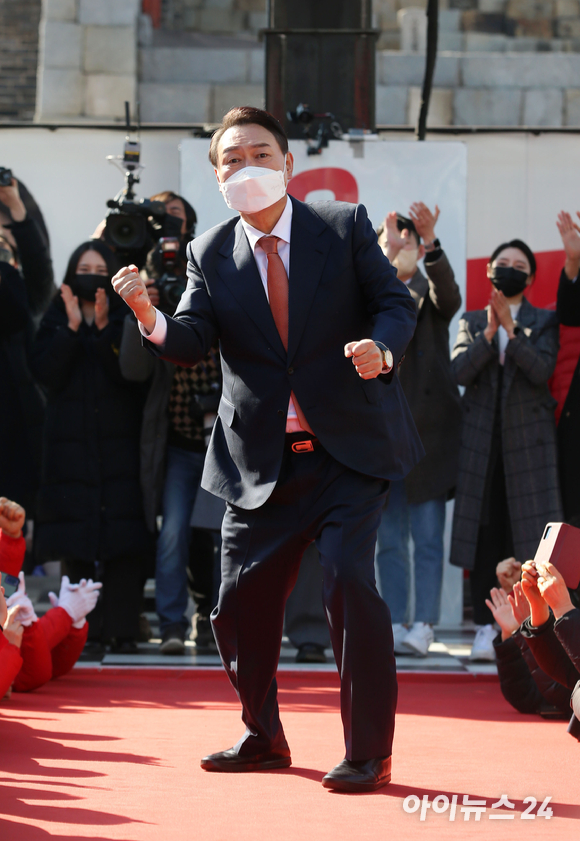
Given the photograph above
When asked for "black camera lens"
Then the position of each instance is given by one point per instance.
(5, 177)
(124, 230)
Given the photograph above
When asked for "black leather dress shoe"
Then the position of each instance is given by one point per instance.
(367, 775)
(230, 761)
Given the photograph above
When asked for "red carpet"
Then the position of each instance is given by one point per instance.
(115, 755)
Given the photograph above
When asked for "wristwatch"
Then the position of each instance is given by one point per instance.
(432, 246)
(387, 356)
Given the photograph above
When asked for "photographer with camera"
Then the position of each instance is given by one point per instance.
(177, 422)
(90, 512)
(25, 282)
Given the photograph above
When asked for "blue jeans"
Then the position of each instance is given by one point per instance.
(425, 522)
(182, 479)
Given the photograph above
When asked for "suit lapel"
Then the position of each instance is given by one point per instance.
(308, 252)
(238, 270)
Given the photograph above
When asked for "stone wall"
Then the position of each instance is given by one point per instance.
(528, 89)
(494, 26)
(88, 58)
(19, 20)
(229, 17)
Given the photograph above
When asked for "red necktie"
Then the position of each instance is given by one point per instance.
(278, 297)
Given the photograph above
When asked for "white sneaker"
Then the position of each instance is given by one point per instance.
(483, 644)
(419, 638)
(400, 633)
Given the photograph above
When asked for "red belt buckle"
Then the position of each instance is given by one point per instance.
(302, 447)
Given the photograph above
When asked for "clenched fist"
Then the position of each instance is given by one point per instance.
(366, 358)
(129, 284)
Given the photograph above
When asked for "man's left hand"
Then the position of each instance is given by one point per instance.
(366, 358)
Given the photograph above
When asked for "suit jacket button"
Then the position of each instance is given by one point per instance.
(280, 412)
(290, 370)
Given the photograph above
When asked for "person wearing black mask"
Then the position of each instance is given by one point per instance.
(90, 513)
(507, 486)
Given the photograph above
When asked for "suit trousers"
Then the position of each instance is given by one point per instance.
(316, 499)
(305, 617)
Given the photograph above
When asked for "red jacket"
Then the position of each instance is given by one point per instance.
(50, 648)
(12, 551)
(559, 383)
(10, 664)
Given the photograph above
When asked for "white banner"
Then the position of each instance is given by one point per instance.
(382, 175)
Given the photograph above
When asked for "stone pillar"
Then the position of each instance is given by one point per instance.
(88, 59)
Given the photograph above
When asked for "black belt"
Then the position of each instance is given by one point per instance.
(300, 442)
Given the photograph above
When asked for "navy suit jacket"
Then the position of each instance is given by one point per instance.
(341, 289)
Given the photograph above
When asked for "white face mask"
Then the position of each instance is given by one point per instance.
(406, 261)
(254, 188)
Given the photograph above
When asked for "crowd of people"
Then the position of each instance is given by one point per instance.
(104, 445)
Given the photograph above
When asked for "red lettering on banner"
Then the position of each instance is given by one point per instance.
(339, 181)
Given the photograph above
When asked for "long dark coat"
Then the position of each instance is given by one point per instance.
(528, 429)
(428, 383)
(89, 506)
(22, 298)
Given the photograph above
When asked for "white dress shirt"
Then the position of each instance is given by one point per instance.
(502, 336)
(281, 230)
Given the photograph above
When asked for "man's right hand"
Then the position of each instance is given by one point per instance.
(129, 284)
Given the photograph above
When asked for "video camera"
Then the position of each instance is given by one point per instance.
(171, 284)
(133, 225)
(5, 177)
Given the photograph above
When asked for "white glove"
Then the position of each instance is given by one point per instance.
(26, 615)
(77, 599)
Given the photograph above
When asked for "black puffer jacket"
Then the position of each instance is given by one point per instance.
(523, 683)
(89, 505)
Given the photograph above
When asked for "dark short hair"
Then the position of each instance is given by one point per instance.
(402, 223)
(516, 243)
(244, 115)
(91, 245)
(190, 215)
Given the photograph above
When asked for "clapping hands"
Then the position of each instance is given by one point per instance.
(508, 611)
(26, 614)
(570, 233)
(77, 599)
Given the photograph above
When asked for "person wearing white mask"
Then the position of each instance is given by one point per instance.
(312, 425)
(416, 505)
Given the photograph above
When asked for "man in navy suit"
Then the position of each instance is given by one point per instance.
(312, 323)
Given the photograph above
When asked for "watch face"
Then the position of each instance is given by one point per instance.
(388, 356)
